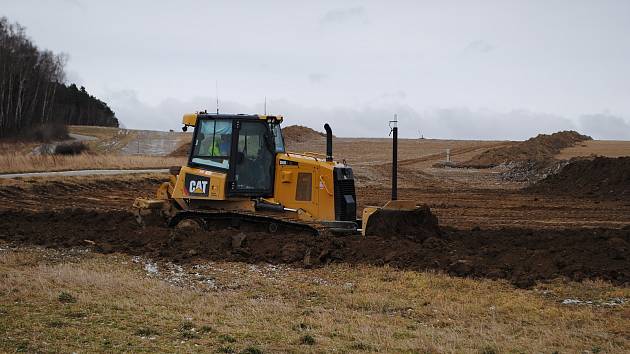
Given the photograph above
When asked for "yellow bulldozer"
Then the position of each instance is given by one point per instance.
(240, 172)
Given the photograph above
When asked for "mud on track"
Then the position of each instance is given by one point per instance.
(522, 256)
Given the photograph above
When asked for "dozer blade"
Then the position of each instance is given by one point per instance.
(150, 211)
(399, 218)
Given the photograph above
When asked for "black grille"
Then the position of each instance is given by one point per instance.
(345, 197)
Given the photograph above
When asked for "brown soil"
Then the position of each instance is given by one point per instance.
(522, 256)
(599, 178)
(419, 223)
(540, 148)
(298, 133)
(182, 150)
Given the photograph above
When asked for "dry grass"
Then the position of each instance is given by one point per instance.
(234, 307)
(15, 162)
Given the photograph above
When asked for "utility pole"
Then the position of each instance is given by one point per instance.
(393, 124)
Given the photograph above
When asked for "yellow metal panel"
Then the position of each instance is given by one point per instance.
(286, 176)
(322, 204)
(326, 191)
(190, 119)
(213, 190)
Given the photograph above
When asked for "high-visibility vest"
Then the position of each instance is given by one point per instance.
(215, 149)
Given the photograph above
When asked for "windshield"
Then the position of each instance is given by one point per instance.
(277, 136)
(212, 143)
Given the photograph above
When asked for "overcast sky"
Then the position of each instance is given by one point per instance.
(460, 69)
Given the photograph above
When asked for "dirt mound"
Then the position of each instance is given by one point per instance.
(599, 178)
(419, 223)
(522, 256)
(540, 148)
(182, 150)
(299, 134)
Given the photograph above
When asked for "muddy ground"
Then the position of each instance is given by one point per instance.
(499, 234)
(522, 256)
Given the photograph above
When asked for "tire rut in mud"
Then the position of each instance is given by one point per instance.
(522, 256)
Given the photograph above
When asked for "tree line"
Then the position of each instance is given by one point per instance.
(32, 89)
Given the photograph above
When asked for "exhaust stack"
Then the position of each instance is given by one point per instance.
(329, 152)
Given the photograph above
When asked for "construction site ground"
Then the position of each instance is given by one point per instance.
(510, 270)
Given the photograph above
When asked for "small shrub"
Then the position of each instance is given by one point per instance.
(307, 339)
(206, 329)
(251, 350)
(74, 148)
(189, 335)
(66, 298)
(226, 338)
(22, 347)
(187, 330)
(360, 346)
(186, 326)
(226, 349)
(145, 332)
(56, 324)
(488, 350)
(302, 327)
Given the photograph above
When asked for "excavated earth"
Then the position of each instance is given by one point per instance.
(540, 149)
(522, 256)
(600, 178)
(523, 237)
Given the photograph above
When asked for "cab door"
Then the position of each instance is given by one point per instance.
(254, 156)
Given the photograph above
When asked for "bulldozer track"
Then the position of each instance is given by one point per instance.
(272, 220)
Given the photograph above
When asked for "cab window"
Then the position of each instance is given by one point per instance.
(277, 136)
(212, 143)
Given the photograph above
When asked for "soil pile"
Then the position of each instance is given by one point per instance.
(599, 178)
(300, 134)
(419, 223)
(523, 256)
(182, 150)
(541, 148)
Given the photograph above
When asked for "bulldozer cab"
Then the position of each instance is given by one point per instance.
(241, 146)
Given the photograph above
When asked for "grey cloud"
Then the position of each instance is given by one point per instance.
(480, 46)
(317, 77)
(488, 124)
(342, 15)
(372, 120)
(605, 126)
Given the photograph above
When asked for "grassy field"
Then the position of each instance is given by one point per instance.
(16, 162)
(78, 301)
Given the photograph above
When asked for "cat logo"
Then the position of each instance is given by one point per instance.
(196, 185)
